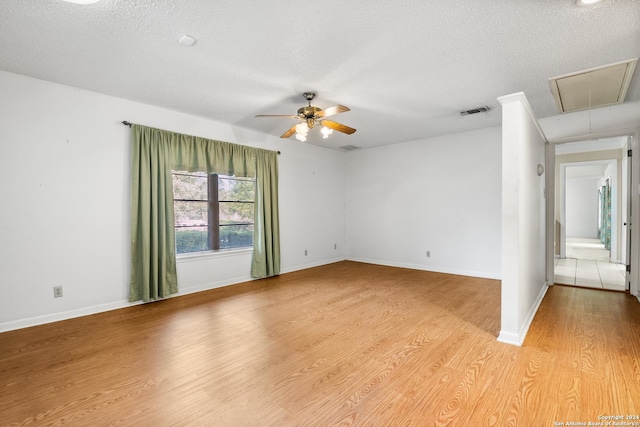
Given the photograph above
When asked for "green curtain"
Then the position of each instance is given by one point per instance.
(266, 224)
(155, 153)
(153, 257)
(193, 153)
(605, 219)
(600, 212)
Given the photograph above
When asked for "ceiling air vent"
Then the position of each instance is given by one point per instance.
(349, 147)
(475, 110)
(592, 88)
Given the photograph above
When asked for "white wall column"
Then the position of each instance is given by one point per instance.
(523, 218)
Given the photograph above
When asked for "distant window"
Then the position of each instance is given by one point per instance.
(212, 211)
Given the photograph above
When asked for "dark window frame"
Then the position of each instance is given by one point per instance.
(213, 207)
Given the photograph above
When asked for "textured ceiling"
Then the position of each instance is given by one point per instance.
(405, 68)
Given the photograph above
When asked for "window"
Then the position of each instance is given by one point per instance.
(212, 211)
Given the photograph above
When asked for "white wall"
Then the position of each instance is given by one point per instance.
(440, 195)
(523, 218)
(614, 120)
(65, 210)
(582, 207)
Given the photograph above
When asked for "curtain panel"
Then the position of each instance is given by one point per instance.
(605, 215)
(266, 255)
(153, 257)
(154, 154)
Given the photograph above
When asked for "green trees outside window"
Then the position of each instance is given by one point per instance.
(212, 211)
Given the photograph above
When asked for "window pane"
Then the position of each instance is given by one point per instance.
(235, 236)
(191, 213)
(192, 240)
(231, 212)
(236, 189)
(190, 185)
(233, 216)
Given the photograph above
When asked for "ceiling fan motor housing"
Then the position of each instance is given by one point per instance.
(309, 114)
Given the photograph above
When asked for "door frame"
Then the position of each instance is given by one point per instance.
(613, 252)
(627, 230)
(633, 204)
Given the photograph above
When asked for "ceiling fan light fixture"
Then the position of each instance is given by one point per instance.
(326, 132)
(311, 117)
(302, 129)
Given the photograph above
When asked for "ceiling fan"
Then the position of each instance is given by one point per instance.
(313, 116)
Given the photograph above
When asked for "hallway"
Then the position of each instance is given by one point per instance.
(587, 265)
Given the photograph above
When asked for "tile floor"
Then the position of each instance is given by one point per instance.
(590, 273)
(587, 265)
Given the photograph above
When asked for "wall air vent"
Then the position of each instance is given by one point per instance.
(349, 147)
(484, 109)
(592, 88)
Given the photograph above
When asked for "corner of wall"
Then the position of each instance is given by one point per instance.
(518, 339)
(510, 338)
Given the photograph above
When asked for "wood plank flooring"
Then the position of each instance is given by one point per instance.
(347, 344)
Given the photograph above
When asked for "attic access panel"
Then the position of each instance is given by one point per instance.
(596, 87)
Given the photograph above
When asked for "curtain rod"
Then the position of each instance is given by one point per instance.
(126, 123)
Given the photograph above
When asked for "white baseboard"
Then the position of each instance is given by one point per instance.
(100, 308)
(510, 338)
(534, 309)
(213, 285)
(247, 278)
(64, 315)
(312, 264)
(518, 339)
(435, 269)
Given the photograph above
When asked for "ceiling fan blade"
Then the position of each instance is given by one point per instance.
(290, 132)
(332, 110)
(280, 116)
(338, 126)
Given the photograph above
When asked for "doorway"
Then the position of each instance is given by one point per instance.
(591, 215)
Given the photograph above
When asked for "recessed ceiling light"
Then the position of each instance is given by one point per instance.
(82, 1)
(187, 40)
(587, 2)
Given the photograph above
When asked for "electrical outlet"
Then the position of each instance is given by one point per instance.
(428, 254)
(57, 291)
(335, 246)
(305, 252)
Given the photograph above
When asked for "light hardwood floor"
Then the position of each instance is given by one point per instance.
(346, 344)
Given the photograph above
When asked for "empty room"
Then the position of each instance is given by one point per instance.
(229, 213)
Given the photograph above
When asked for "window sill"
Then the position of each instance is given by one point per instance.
(197, 256)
